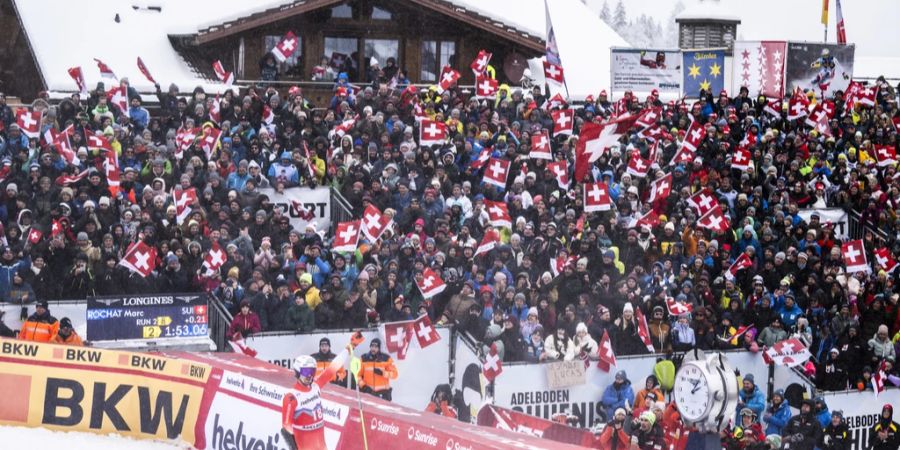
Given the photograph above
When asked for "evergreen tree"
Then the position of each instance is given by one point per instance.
(620, 21)
(671, 35)
(604, 12)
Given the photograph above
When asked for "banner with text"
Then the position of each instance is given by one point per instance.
(861, 411)
(642, 71)
(303, 205)
(837, 216)
(703, 69)
(150, 317)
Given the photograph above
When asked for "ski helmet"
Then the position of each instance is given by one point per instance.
(304, 366)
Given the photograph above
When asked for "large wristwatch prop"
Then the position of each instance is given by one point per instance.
(706, 391)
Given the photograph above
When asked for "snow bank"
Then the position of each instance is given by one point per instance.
(19, 437)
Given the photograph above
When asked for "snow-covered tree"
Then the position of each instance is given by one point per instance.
(619, 20)
(604, 12)
(671, 34)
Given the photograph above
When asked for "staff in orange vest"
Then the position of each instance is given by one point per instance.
(67, 334)
(40, 326)
(377, 371)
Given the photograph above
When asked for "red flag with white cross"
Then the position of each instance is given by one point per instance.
(496, 172)
(374, 223)
(703, 202)
(485, 86)
(449, 77)
(29, 122)
(286, 47)
(426, 333)
(596, 197)
(215, 258)
(540, 147)
(34, 236)
(677, 308)
(493, 366)
(346, 237)
(694, 136)
(637, 166)
(643, 330)
(482, 158)
(660, 188)
(488, 242)
(742, 262)
(878, 378)
(140, 258)
(223, 75)
(432, 132)
(480, 63)
(798, 106)
(184, 202)
(561, 170)
(714, 220)
(553, 73)
(99, 143)
(431, 284)
(563, 121)
(397, 336)
(741, 159)
(498, 213)
(789, 352)
(855, 256)
(606, 357)
(885, 259)
(886, 155)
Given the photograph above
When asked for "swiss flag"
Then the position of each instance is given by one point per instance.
(563, 121)
(268, 116)
(822, 126)
(648, 117)
(449, 77)
(492, 367)
(637, 166)
(98, 142)
(432, 132)
(397, 336)
(215, 258)
(305, 212)
(643, 330)
(595, 139)
(223, 75)
(540, 147)
(285, 48)
(798, 106)
(64, 147)
(29, 122)
(878, 379)
(714, 220)
(34, 236)
(886, 155)
(184, 202)
(346, 237)
(858, 93)
(683, 155)
(855, 256)
(821, 111)
(374, 223)
(789, 352)
(555, 102)
(239, 346)
(694, 136)
(703, 201)
(488, 242)
(596, 197)
(485, 86)
(651, 219)
(118, 96)
(209, 140)
(496, 172)
(431, 284)
(606, 357)
(677, 308)
(480, 64)
(660, 188)
(426, 334)
(143, 68)
(742, 262)
(553, 72)
(885, 259)
(740, 159)
(215, 111)
(339, 130)
(184, 139)
(773, 108)
(111, 168)
(140, 258)
(78, 75)
(105, 71)
(498, 213)
(483, 156)
(558, 264)
(65, 180)
(561, 170)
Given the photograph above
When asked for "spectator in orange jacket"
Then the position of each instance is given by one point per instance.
(40, 326)
(641, 401)
(67, 334)
(614, 436)
(440, 402)
(377, 371)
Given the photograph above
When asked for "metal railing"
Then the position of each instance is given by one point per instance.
(341, 210)
(856, 229)
(219, 322)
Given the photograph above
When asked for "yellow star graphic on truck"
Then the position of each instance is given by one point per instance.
(694, 71)
(715, 70)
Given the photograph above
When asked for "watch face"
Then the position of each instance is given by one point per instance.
(692, 396)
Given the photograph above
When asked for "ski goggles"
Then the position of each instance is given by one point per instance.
(306, 372)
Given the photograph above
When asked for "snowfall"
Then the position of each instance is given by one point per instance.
(34, 437)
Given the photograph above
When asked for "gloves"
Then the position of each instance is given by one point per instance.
(827, 440)
(289, 439)
(378, 371)
(357, 339)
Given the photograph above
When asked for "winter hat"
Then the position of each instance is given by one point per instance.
(306, 278)
(65, 322)
(581, 327)
(12, 187)
(749, 377)
(628, 307)
(649, 417)
(533, 311)
(621, 374)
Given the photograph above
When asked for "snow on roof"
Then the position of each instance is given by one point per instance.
(873, 67)
(707, 10)
(70, 34)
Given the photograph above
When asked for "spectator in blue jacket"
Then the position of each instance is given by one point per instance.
(238, 179)
(750, 397)
(822, 412)
(10, 264)
(789, 311)
(777, 414)
(138, 114)
(315, 265)
(619, 394)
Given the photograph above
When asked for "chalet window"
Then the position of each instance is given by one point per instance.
(381, 14)
(382, 49)
(342, 12)
(343, 53)
(291, 66)
(434, 57)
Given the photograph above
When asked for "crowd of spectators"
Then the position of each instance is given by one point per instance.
(364, 145)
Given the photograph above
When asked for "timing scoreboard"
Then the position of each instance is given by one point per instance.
(151, 317)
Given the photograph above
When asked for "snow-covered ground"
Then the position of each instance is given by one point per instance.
(18, 437)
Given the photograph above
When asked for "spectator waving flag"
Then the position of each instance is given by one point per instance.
(143, 69)
(286, 47)
(485, 86)
(742, 262)
(490, 240)
(480, 63)
(223, 75)
(140, 258)
(714, 220)
(561, 170)
(498, 213)
(425, 332)
(29, 122)
(643, 330)
(773, 108)
(596, 197)
(741, 159)
(497, 172)
(789, 352)
(65, 179)
(105, 71)
(798, 106)
(215, 258)
(346, 237)
(885, 259)
(563, 121)
(118, 96)
(660, 188)
(34, 236)
(855, 256)
(78, 75)
(184, 202)
(703, 201)
(694, 136)
(637, 166)
(540, 147)
(483, 156)
(374, 223)
(606, 357)
(432, 132)
(677, 308)
(397, 336)
(99, 143)
(449, 77)
(492, 367)
(595, 139)
(210, 140)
